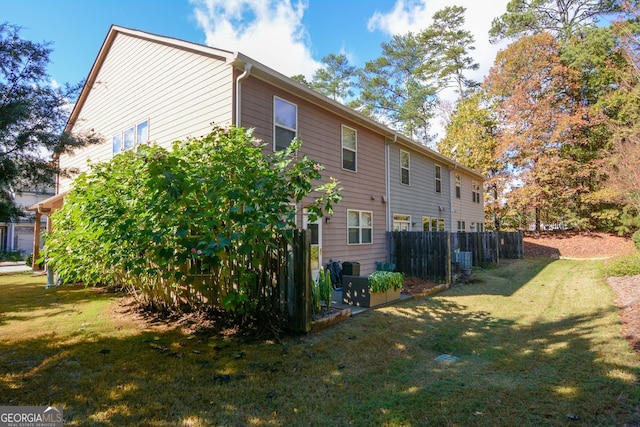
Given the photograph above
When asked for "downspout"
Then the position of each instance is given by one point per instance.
(387, 166)
(244, 75)
(452, 177)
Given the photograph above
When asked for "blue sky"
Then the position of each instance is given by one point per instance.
(290, 36)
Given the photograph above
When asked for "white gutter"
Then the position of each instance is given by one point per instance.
(247, 71)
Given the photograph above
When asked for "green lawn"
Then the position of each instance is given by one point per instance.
(535, 342)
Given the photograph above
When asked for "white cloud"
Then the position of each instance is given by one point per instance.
(269, 31)
(415, 15)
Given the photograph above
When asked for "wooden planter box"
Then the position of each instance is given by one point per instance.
(355, 291)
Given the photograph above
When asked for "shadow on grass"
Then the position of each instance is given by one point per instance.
(378, 368)
(504, 280)
(507, 373)
(26, 293)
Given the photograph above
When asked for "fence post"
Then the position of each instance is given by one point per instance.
(302, 281)
(448, 271)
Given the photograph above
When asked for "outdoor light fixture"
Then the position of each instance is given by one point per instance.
(327, 220)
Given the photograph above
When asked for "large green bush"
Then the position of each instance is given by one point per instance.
(151, 219)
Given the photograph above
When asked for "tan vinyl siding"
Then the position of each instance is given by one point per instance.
(320, 132)
(420, 198)
(180, 92)
(464, 209)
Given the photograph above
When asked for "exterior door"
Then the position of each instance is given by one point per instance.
(316, 242)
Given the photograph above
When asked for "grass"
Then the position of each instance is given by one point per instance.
(535, 341)
(627, 265)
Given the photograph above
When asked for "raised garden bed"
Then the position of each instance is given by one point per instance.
(356, 292)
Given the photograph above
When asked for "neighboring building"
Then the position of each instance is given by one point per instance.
(144, 87)
(19, 235)
(430, 192)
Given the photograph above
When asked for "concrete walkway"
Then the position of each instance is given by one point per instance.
(13, 267)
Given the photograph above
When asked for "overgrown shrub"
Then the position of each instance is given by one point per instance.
(636, 239)
(217, 206)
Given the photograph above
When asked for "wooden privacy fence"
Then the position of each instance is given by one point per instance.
(429, 255)
(278, 282)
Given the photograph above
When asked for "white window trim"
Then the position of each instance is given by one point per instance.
(275, 125)
(458, 186)
(436, 168)
(407, 221)
(360, 227)
(135, 136)
(342, 128)
(426, 219)
(475, 191)
(408, 168)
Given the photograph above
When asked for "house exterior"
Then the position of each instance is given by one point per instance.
(430, 192)
(18, 236)
(182, 88)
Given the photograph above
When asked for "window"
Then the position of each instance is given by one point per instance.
(142, 132)
(438, 179)
(458, 185)
(130, 137)
(432, 224)
(401, 222)
(359, 227)
(475, 192)
(117, 143)
(481, 227)
(461, 226)
(285, 120)
(404, 167)
(349, 148)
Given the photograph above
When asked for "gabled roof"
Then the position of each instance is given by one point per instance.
(260, 71)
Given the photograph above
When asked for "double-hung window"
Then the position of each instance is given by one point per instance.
(285, 123)
(349, 148)
(475, 192)
(458, 186)
(405, 161)
(438, 171)
(359, 227)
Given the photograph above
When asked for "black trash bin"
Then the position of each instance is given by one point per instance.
(351, 268)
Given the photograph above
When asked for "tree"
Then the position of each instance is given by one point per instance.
(336, 78)
(562, 18)
(395, 90)
(32, 117)
(215, 203)
(471, 139)
(402, 87)
(450, 45)
(538, 106)
(622, 104)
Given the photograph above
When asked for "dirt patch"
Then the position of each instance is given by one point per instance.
(627, 297)
(576, 245)
(416, 286)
